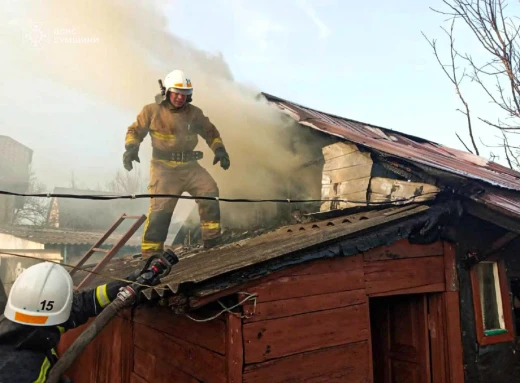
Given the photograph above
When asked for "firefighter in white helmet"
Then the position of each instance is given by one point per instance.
(41, 307)
(174, 125)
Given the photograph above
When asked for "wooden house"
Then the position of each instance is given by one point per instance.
(408, 273)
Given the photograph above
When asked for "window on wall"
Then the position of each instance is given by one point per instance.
(493, 311)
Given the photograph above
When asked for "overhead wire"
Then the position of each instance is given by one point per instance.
(105, 197)
(108, 276)
(249, 297)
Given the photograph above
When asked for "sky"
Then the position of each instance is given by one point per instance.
(367, 61)
(363, 60)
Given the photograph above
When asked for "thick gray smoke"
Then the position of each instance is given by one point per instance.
(113, 52)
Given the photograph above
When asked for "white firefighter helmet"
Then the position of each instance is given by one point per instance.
(41, 296)
(177, 82)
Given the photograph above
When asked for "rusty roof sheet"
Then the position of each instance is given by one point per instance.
(196, 267)
(403, 145)
(64, 237)
(503, 201)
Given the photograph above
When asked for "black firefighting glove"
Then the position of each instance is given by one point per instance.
(130, 155)
(222, 156)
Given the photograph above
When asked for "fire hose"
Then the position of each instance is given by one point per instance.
(155, 268)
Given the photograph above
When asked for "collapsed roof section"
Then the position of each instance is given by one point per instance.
(495, 180)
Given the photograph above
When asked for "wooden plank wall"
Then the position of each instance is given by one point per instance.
(312, 323)
(298, 331)
(108, 359)
(387, 189)
(347, 175)
(173, 348)
(404, 268)
(158, 346)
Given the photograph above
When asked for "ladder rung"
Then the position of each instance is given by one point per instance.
(101, 250)
(109, 253)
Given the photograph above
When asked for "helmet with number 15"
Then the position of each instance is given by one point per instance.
(41, 296)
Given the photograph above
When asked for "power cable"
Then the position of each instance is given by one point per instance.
(101, 197)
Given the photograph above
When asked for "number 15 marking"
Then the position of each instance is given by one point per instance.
(47, 305)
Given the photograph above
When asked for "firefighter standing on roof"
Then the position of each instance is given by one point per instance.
(174, 125)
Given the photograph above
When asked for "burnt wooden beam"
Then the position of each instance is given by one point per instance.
(501, 243)
(498, 245)
(486, 214)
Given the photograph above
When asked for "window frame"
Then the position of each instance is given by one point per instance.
(507, 309)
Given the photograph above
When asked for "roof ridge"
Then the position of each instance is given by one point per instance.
(270, 96)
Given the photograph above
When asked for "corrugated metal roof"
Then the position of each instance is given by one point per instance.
(64, 237)
(403, 145)
(197, 267)
(504, 201)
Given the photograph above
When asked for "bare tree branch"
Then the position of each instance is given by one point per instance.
(34, 210)
(498, 34)
(463, 143)
(501, 146)
(127, 183)
(509, 149)
(501, 127)
(454, 79)
(507, 152)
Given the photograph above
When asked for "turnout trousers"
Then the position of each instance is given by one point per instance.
(188, 177)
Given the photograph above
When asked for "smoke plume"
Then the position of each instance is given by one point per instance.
(114, 52)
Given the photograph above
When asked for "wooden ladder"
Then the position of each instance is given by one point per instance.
(109, 252)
